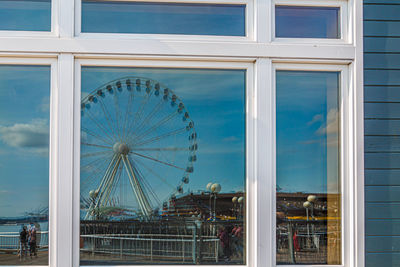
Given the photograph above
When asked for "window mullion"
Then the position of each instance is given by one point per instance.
(265, 158)
(66, 9)
(62, 244)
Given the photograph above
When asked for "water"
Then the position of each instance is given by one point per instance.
(16, 228)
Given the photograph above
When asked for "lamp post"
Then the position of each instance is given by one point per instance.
(312, 199)
(240, 201)
(215, 189)
(307, 205)
(208, 189)
(234, 201)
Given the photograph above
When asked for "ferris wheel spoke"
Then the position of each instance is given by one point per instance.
(100, 138)
(98, 124)
(133, 127)
(117, 114)
(96, 167)
(95, 145)
(156, 126)
(94, 154)
(107, 116)
(127, 114)
(145, 182)
(151, 114)
(157, 160)
(157, 138)
(162, 149)
(155, 174)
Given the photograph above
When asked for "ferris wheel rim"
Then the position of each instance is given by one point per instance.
(171, 94)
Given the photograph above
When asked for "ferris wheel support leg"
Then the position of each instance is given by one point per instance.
(137, 189)
(108, 187)
(105, 178)
(104, 181)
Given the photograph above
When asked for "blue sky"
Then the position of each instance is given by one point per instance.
(24, 135)
(215, 100)
(28, 15)
(307, 131)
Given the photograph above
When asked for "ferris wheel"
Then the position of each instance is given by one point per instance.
(138, 146)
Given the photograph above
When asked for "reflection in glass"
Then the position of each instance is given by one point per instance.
(307, 22)
(25, 15)
(162, 166)
(24, 164)
(162, 18)
(307, 176)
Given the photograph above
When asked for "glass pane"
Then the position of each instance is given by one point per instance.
(163, 18)
(25, 15)
(162, 166)
(308, 200)
(24, 164)
(307, 22)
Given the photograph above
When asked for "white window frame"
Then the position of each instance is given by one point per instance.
(249, 24)
(346, 153)
(251, 188)
(50, 61)
(64, 48)
(343, 21)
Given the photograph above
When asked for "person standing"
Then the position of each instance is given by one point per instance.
(225, 244)
(32, 241)
(23, 246)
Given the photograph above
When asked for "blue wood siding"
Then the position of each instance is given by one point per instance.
(382, 131)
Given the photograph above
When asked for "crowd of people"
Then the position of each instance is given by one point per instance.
(27, 240)
(231, 240)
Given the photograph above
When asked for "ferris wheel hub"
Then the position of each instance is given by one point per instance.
(121, 148)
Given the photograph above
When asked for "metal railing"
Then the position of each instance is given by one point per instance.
(10, 240)
(185, 248)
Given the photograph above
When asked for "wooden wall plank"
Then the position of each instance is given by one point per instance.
(382, 143)
(382, 193)
(381, 1)
(382, 93)
(382, 110)
(381, 127)
(382, 244)
(382, 227)
(383, 61)
(382, 77)
(381, 12)
(382, 177)
(382, 28)
(382, 211)
(381, 45)
(382, 259)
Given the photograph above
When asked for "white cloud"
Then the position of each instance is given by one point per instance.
(332, 123)
(316, 118)
(33, 136)
(44, 105)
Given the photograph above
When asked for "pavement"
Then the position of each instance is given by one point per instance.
(13, 259)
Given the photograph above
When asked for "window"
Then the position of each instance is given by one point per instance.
(25, 15)
(163, 18)
(307, 22)
(308, 177)
(167, 124)
(310, 21)
(162, 157)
